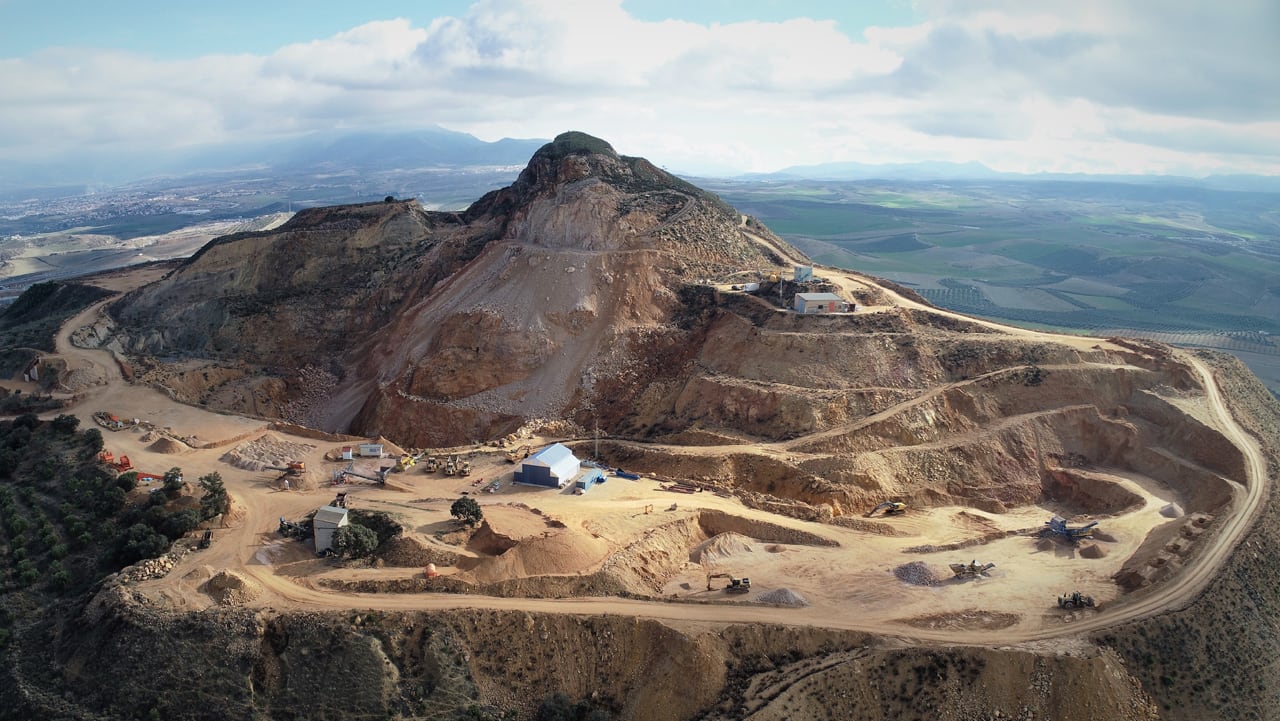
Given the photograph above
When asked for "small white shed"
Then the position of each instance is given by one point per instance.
(371, 450)
(325, 523)
(820, 303)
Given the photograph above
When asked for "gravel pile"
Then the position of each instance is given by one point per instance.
(783, 597)
(265, 450)
(916, 573)
(229, 588)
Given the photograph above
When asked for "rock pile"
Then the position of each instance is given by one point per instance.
(916, 573)
(264, 451)
(229, 588)
(784, 597)
(151, 567)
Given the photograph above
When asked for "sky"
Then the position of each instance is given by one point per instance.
(1187, 87)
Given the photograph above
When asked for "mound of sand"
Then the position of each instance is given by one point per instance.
(168, 445)
(720, 547)
(1172, 510)
(916, 573)
(553, 554)
(783, 597)
(229, 588)
(1044, 544)
(1093, 550)
(411, 552)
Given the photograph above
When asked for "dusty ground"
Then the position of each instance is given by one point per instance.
(845, 574)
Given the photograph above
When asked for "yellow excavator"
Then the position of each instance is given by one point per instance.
(890, 508)
(518, 454)
(736, 585)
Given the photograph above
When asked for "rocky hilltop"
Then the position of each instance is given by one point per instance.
(438, 327)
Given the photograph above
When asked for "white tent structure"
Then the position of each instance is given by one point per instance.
(554, 467)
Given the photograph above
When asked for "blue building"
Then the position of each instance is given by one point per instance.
(589, 479)
(553, 467)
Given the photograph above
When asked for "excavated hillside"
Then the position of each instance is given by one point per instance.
(436, 327)
(579, 294)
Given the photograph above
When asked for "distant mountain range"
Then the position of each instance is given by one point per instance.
(365, 152)
(358, 152)
(925, 171)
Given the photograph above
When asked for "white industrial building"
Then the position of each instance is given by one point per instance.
(327, 521)
(554, 467)
(820, 303)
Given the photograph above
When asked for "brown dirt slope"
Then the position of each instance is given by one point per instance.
(359, 665)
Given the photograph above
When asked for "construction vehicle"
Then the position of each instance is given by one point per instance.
(464, 468)
(451, 466)
(519, 454)
(206, 540)
(340, 501)
(971, 569)
(890, 508)
(112, 422)
(122, 465)
(343, 475)
(292, 468)
(1076, 600)
(289, 529)
(431, 465)
(1058, 526)
(736, 585)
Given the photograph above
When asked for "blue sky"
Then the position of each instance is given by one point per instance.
(1100, 86)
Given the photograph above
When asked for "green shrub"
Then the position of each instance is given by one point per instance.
(354, 541)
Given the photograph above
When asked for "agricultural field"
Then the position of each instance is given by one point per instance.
(1187, 265)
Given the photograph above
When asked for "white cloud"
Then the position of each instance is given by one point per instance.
(1086, 85)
